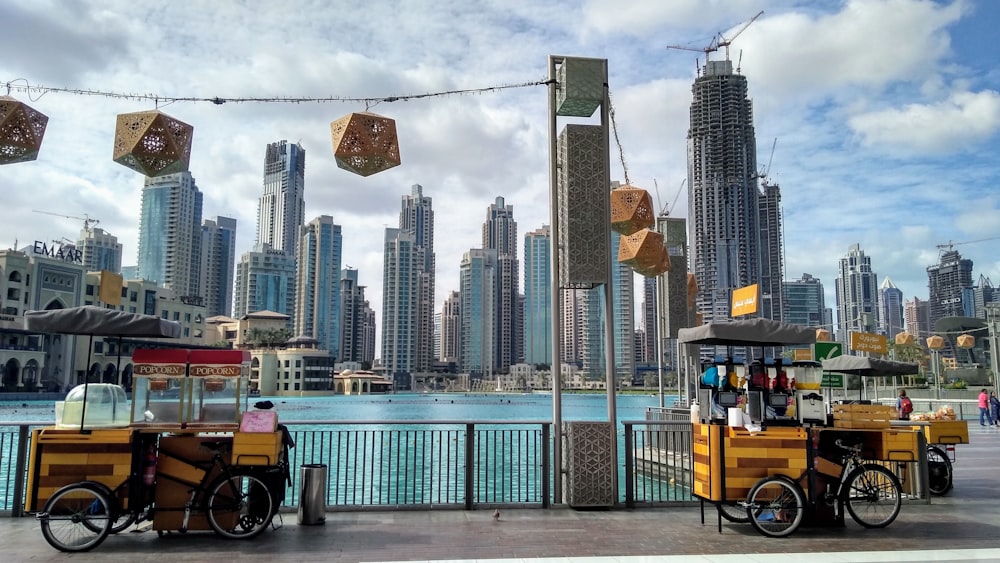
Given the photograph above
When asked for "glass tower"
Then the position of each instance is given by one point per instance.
(317, 292)
(170, 234)
(538, 297)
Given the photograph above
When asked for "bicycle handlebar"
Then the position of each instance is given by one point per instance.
(856, 449)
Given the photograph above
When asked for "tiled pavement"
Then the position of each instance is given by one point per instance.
(963, 525)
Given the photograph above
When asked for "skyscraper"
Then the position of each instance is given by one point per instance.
(218, 262)
(317, 293)
(451, 328)
(917, 317)
(399, 297)
(772, 253)
(648, 321)
(804, 301)
(538, 297)
(623, 314)
(101, 250)
(170, 234)
(281, 208)
(417, 218)
(723, 210)
(857, 294)
(265, 281)
(477, 286)
(500, 235)
(945, 281)
(353, 317)
(891, 302)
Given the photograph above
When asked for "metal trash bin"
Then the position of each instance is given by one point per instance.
(312, 494)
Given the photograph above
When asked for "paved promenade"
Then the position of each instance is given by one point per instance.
(964, 525)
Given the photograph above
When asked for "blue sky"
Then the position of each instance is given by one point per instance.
(886, 114)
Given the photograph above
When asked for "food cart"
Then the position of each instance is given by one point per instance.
(942, 431)
(185, 455)
(768, 464)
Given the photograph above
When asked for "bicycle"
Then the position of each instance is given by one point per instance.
(237, 501)
(870, 492)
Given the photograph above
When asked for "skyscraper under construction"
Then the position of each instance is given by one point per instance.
(723, 198)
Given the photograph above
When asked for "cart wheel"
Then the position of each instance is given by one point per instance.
(775, 506)
(734, 513)
(76, 518)
(122, 519)
(873, 496)
(239, 506)
(939, 471)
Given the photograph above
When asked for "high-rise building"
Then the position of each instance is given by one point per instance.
(538, 296)
(572, 303)
(671, 292)
(857, 294)
(451, 328)
(623, 314)
(353, 312)
(417, 218)
(917, 314)
(101, 250)
(772, 255)
(979, 296)
(500, 235)
(891, 302)
(945, 282)
(648, 322)
(723, 210)
(477, 286)
(399, 315)
(804, 301)
(170, 234)
(281, 208)
(317, 293)
(218, 263)
(265, 281)
(368, 341)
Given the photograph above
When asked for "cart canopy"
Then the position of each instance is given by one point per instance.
(96, 321)
(869, 367)
(752, 332)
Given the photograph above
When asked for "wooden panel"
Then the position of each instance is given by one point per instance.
(252, 448)
(947, 432)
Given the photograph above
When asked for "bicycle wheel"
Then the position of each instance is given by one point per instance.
(776, 506)
(939, 471)
(873, 496)
(734, 513)
(239, 506)
(121, 519)
(76, 518)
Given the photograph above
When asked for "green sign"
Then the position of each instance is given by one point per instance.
(833, 380)
(827, 350)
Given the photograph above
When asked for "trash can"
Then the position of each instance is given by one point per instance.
(312, 494)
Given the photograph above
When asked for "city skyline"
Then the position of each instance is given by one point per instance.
(885, 115)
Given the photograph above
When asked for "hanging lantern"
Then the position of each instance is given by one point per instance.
(631, 210)
(935, 342)
(822, 335)
(645, 253)
(153, 143)
(365, 143)
(904, 339)
(21, 131)
(965, 341)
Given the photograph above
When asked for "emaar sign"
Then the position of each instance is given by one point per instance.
(66, 252)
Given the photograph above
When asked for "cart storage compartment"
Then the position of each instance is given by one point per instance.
(729, 461)
(946, 431)
(256, 448)
(61, 457)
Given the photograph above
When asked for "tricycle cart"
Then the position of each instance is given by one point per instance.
(185, 456)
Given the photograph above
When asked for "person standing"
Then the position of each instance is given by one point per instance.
(995, 408)
(984, 409)
(904, 406)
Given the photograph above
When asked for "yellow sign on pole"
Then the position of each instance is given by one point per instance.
(868, 342)
(110, 289)
(744, 300)
(802, 354)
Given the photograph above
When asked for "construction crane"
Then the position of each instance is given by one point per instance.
(718, 40)
(88, 221)
(948, 245)
(765, 171)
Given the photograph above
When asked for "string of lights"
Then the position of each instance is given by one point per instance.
(37, 91)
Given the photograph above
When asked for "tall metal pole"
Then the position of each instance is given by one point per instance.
(556, 316)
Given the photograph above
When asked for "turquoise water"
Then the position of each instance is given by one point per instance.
(416, 407)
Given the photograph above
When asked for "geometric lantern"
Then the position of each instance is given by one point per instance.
(935, 342)
(966, 341)
(21, 131)
(365, 143)
(631, 210)
(153, 143)
(580, 86)
(645, 253)
(822, 335)
(904, 338)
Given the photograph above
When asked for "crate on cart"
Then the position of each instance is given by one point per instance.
(863, 417)
(946, 432)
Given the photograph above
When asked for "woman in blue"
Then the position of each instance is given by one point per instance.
(995, 408)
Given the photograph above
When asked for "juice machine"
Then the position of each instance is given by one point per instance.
(810, 405)
(720, 387)
(770, 389)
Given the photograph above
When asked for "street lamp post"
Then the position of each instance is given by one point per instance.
(936, 343)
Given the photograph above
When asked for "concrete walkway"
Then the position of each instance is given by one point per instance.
(964, 525)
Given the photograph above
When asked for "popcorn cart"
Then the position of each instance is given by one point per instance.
(767, 464)
(187, 456)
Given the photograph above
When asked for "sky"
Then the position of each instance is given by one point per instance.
(883, 115)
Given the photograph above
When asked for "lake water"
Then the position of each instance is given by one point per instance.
(425, 406)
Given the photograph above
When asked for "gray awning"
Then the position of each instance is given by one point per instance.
(857, 365)
(750, 332)
(96, 321)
